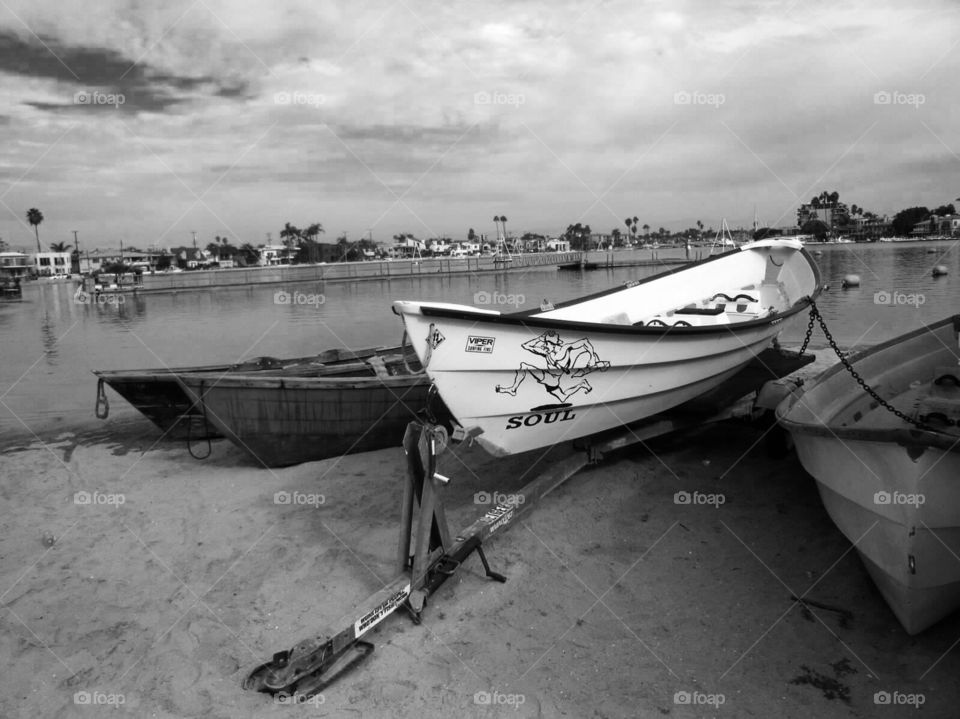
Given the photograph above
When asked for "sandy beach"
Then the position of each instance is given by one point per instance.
(178, 576)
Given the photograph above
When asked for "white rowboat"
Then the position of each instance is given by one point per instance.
(532, 379)
(891, 488)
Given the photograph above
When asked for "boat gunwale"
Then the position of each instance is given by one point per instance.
(142, 375)
(528, 317)
(911, 436)
(252, 381)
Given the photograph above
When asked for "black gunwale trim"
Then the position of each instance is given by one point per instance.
(526, 317)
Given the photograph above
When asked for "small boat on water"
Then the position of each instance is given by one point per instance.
(161, 399)
(891, 487)
(292, 415)
(531, 379)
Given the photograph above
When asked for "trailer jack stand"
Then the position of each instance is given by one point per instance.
(427, 556)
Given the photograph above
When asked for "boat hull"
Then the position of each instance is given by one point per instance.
(527, 408)
(159, 398)
(530, 380)
(891, 489)
(158, 395)
(909, 548)
(284, 421)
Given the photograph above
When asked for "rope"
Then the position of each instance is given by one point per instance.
(190, 421)
(816, 316)
(101, 401)
(403, 354)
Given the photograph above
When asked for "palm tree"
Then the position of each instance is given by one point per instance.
(35, 217)
(699, 229)
(290, 234)
(59, 247)
(646, 231)
(310, 234)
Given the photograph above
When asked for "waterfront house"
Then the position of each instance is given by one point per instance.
(47, 264)
(938, 226)
(14, 264)
(271, 255)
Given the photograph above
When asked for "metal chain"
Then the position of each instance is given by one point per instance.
(815, 315)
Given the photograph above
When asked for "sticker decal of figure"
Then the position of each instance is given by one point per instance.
(567, 365)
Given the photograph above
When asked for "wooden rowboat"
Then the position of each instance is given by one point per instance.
(281, 418)
(527, 379)
(892, 488)
(160, 398)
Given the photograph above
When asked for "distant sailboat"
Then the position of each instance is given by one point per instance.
(724, 239)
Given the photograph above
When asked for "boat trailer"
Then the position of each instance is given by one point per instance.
(427, 555)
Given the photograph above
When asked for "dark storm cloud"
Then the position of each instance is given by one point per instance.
(92, 69)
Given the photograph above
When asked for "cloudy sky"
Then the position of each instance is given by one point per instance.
(129, 121)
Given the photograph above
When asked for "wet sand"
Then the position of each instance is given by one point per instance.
(617, 597)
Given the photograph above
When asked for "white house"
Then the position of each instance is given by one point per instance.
(51, 263)
(275, 255)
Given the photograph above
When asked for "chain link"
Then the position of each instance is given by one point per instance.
(815, 315)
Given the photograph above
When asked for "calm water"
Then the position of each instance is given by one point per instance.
(49, 343)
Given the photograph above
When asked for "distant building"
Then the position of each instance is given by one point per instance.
(51, 263)
(189, 258)
(271, 255)
(14, 264)
(939, 226)
(95, 261)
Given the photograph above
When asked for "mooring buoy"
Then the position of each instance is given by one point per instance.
(940, 270)
(851, 281)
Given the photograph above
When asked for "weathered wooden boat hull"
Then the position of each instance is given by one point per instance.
(285, 421)
(892, 489)
(532, 379)
(161, 399)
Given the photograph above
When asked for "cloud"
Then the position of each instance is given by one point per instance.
(291, 110)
